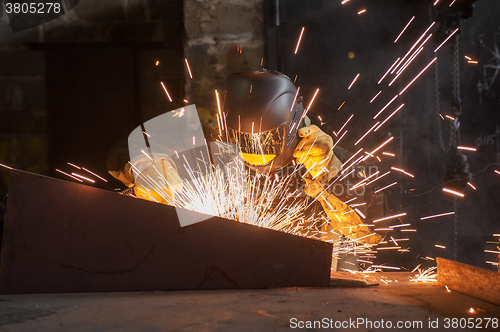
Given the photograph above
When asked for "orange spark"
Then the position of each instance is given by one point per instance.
(74, 165)
(466, 148)
(390, 217)
(446, 39)
(453, 192)
(371, 101)
(71, 176)
(361, 11)
(189, 69)
(354, 80)
(437, 215)
(387, 105)
(411, 20)
(298, 42)
(416, 77)
(341, 106)
(157, 63)
(83, 177)
(97, 176)
(369, 130)
(403, 171)
(7, 166)
(387, 72)
(164, 88)
(390, 116)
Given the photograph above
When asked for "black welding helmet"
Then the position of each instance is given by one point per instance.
(263, 114)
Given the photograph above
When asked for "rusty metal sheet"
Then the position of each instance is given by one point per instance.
(61, 236)
(471, 280)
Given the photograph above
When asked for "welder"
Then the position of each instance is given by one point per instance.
(265, 118)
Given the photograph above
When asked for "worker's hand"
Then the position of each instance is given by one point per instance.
(313, 188)
(314, 151)
(157, 181)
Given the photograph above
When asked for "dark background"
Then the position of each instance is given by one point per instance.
(331, 32)
(73, 87)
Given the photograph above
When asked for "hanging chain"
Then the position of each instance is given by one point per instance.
(457, 111)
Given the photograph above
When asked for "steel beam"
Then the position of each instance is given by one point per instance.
(61, 236)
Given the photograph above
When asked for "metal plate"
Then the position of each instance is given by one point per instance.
(61, 236)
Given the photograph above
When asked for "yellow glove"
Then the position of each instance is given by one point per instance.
(342, 218)
(157, 181)
(314, 151)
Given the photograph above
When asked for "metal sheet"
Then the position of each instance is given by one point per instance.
(61, 236)
(471, 280)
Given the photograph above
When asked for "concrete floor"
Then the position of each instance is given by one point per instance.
(244, 310)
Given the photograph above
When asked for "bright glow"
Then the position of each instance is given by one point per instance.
(341, 105)
(454, 32)
(453, 192)
(401, 33)
(416, 77)
(388, 248)
(83, 177)
(468, 58)
(472, 61)
(189, 69)
(403, 171)
(74, 165)
(157, 63)
(449, 117)
(354, 80)
(390, 217)
(388, 70)
(345, 1)
(345, 132)
(451, 4)
(387, 105)
(413, 46)
(471, 185)
(439, 246)
(369, 130)
(498, 172)
(8, 167)
(97, 176)
(164, 88)
(71, 176)
(447, 289)
(466, 148)
(380, 147)
(425, 276)
(361, 11)
(388, 154)
(345, 123)
(390, 116)
(437, 215)
(386, 173)
(295, 98)
(147, 155)
(406, 64)
(298, 42)
(371, 101)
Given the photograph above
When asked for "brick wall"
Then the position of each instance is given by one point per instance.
(222, 37)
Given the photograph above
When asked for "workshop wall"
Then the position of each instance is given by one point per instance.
(222, 37)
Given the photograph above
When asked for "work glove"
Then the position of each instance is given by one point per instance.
(314, 151)
(156, 181)
(343, 219)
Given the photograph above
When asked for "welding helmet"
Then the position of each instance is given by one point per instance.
(263, 113)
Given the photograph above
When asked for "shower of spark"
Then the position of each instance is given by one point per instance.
(260, 200)
(429, 275)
